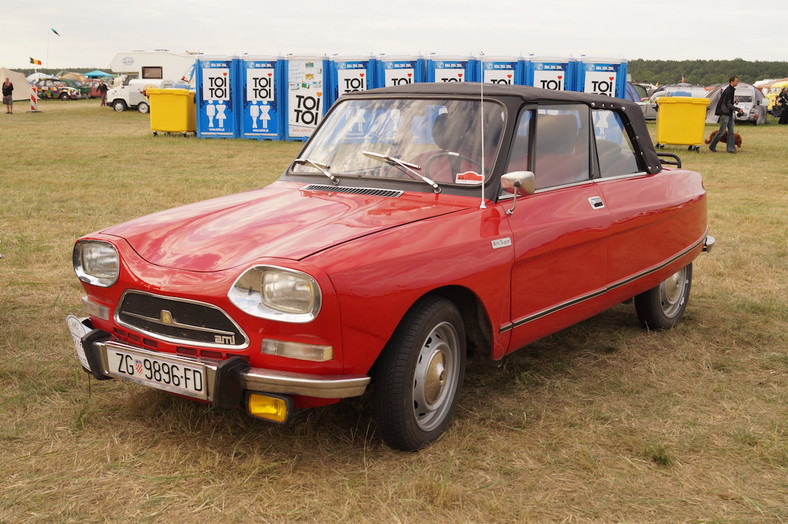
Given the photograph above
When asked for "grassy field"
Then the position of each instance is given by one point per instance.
(601, 422)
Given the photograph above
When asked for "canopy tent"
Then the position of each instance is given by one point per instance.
(98, 74)
(22, 89)
(74, 76)
(747, 97)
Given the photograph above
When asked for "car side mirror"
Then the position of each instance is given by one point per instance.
(518, 183)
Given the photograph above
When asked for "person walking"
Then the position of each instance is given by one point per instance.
(727, 110)
(102, 89)
(8, 96)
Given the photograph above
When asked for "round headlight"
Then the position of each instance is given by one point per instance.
(96, 263)
(277, 294)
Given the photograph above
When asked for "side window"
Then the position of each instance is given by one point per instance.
(561, 152)
(519, 159)
(614, 148)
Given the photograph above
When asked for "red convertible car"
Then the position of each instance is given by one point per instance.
(420, 226)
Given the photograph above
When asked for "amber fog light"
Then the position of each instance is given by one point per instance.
(268, 407)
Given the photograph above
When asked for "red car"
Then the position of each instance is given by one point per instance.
(420, 225)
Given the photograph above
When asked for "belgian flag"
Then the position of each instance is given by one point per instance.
(34, 61)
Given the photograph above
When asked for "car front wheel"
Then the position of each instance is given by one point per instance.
(419, 375)
(662, 307)
(119, 106)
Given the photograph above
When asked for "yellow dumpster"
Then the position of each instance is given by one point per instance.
(681, 120)
(172, 111)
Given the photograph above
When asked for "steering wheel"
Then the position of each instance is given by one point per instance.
(475, 163)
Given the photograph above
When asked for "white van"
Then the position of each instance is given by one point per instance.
(131, 95)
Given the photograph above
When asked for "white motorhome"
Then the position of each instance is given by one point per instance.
(142, 70)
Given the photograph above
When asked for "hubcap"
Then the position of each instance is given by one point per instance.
(436, 375)
(672, 292)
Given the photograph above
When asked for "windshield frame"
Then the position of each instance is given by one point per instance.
(336, 123)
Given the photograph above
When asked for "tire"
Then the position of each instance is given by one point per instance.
(119, 105)
(64, 96)
(419, 375)
(143, 107)
(662, 307)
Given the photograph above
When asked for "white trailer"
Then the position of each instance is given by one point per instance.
(143, 70)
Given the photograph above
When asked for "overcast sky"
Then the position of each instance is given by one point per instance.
(92, 31)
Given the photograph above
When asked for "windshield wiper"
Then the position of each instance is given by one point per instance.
(323, 168)
(406, 167)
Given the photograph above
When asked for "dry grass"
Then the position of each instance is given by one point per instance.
(602, 422)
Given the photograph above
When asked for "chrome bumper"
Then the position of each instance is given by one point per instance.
(708, 245)
(226, 380)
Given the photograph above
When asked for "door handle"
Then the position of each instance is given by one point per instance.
(596, 202)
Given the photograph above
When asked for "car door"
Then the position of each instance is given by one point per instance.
(560, 232)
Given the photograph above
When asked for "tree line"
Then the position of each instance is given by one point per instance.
(704, 72)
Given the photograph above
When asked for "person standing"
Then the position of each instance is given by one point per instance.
(727, 110)
(782, 101)
(8, 96)
(102, 89)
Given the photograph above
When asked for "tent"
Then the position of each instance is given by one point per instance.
(97, 74)
(22, 89)
(38, 76)
(749, 99)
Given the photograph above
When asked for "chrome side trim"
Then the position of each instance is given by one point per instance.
(549, 311)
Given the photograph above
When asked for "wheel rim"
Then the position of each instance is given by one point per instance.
(436, 376)
(672, 292)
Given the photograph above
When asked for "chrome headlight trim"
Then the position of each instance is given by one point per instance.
(96, 262)
(277, 293)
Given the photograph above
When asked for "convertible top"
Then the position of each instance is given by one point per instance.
(515, 96)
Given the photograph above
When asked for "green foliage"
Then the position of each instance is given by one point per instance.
(704, 72)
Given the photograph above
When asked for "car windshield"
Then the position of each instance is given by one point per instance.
(407, 139)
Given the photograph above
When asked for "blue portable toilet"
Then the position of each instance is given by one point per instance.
(260, 98)
(448, 69)
(350, 74)
(604, 76)
(554, 73)
(306, 101)
(217, 111)
(399, 70)
(501, 70)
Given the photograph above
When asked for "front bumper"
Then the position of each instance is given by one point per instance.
(225, 382)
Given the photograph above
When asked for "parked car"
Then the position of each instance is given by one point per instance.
(84, 90)
(649, 107)
(132, 94)
(50, 88)
(401, 243)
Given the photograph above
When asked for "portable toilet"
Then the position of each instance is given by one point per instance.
(351, 74)
(501, 70)
(447, 69)
(603, 76)
(394, 71)
(306, 80)
(217, 111)
(554, 73)
(260, 98)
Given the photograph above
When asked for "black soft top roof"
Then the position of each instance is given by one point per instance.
(519, 95)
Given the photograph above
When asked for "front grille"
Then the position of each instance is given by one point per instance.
(391, 193)
(179, 321)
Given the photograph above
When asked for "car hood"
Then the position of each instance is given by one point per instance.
(282, 220)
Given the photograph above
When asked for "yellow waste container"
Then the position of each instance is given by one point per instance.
(172, 111)
(681, 121)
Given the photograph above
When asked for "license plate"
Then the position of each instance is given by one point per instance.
(158, 372)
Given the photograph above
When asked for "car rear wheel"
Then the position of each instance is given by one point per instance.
(419, 376)
(662, 307)
(119, 106)
(143, 107)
